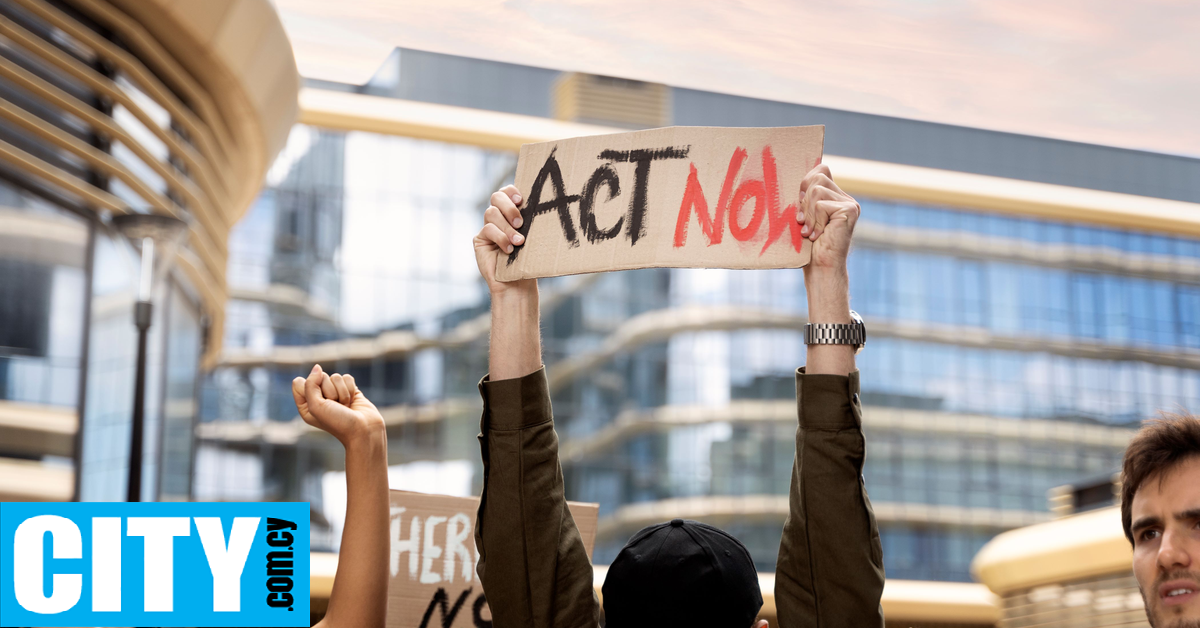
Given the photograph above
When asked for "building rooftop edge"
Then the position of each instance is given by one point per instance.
(507, 131)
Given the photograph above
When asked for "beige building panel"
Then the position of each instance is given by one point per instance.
(631, 423)
(28, 481)
(42, 239)
(1110, 601)
(717, 509)
(38, 429)
(581, 96)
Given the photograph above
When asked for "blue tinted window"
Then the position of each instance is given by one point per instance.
(1161, 245)
(972, 222)
(1055, 232)
(1189, 316)
(1004, 296)
(1085, 235)
(971, 290)
(1085, 301)
(1187, 248)
(1002, 226)
(1139, 243)
(1057, 302)
(911, 287)
(943, 297)
(1141, 306)
(1115, 309)
(1030, 229)
(907, 216)
(939, 219)
(877, 211)
(1163, 313)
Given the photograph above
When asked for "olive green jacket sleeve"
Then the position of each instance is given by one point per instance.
(830, 568)
(532, 563)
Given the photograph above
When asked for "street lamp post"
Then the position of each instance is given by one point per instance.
(157, 237)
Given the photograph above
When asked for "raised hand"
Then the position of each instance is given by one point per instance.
(334, 404)
(516, 347)
(829, 216)
(497, 239)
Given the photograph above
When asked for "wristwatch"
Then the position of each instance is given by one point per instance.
(854, 334)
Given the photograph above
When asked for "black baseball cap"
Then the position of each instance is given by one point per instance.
(682, 573)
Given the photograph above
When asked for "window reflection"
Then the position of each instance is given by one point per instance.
(42, 261)
(359, 234)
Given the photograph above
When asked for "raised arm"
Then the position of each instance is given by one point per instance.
(334, 404)
(830, 568)
(532, 562)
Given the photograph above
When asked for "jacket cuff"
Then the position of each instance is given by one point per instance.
(828, 402)
(513, 404)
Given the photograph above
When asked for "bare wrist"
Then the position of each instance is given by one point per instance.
(366, 439)
(515, 349)
(515, 296)
(828, 294)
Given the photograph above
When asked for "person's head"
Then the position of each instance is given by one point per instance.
(1160, 510)
(682, 573)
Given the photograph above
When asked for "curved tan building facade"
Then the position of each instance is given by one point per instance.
(110, 108)
(1074, 571)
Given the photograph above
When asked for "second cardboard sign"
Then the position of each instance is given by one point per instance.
(699, 197)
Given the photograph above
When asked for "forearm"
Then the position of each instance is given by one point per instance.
(830, 569)
(828, 302)
(516, 342)
(359, 596)
(532, 561)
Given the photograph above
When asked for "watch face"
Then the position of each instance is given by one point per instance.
(859, 321)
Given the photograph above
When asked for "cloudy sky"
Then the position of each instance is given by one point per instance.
(1104, 71)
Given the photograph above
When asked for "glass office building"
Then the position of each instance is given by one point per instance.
(1007, 354)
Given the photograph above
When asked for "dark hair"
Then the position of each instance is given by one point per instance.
(1161, 444)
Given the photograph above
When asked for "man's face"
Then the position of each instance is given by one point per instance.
(1166, 550)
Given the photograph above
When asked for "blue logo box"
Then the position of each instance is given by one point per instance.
(154, 564)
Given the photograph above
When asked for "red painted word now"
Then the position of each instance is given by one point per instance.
(765, 193)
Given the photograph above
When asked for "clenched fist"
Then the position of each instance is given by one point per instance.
(829, 216)
(334, 404)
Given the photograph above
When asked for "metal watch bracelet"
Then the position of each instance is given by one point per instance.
(853, 334)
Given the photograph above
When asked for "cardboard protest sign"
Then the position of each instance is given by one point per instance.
(433, 581)
(701, 197)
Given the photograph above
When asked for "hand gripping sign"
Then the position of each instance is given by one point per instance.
(698, 197)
